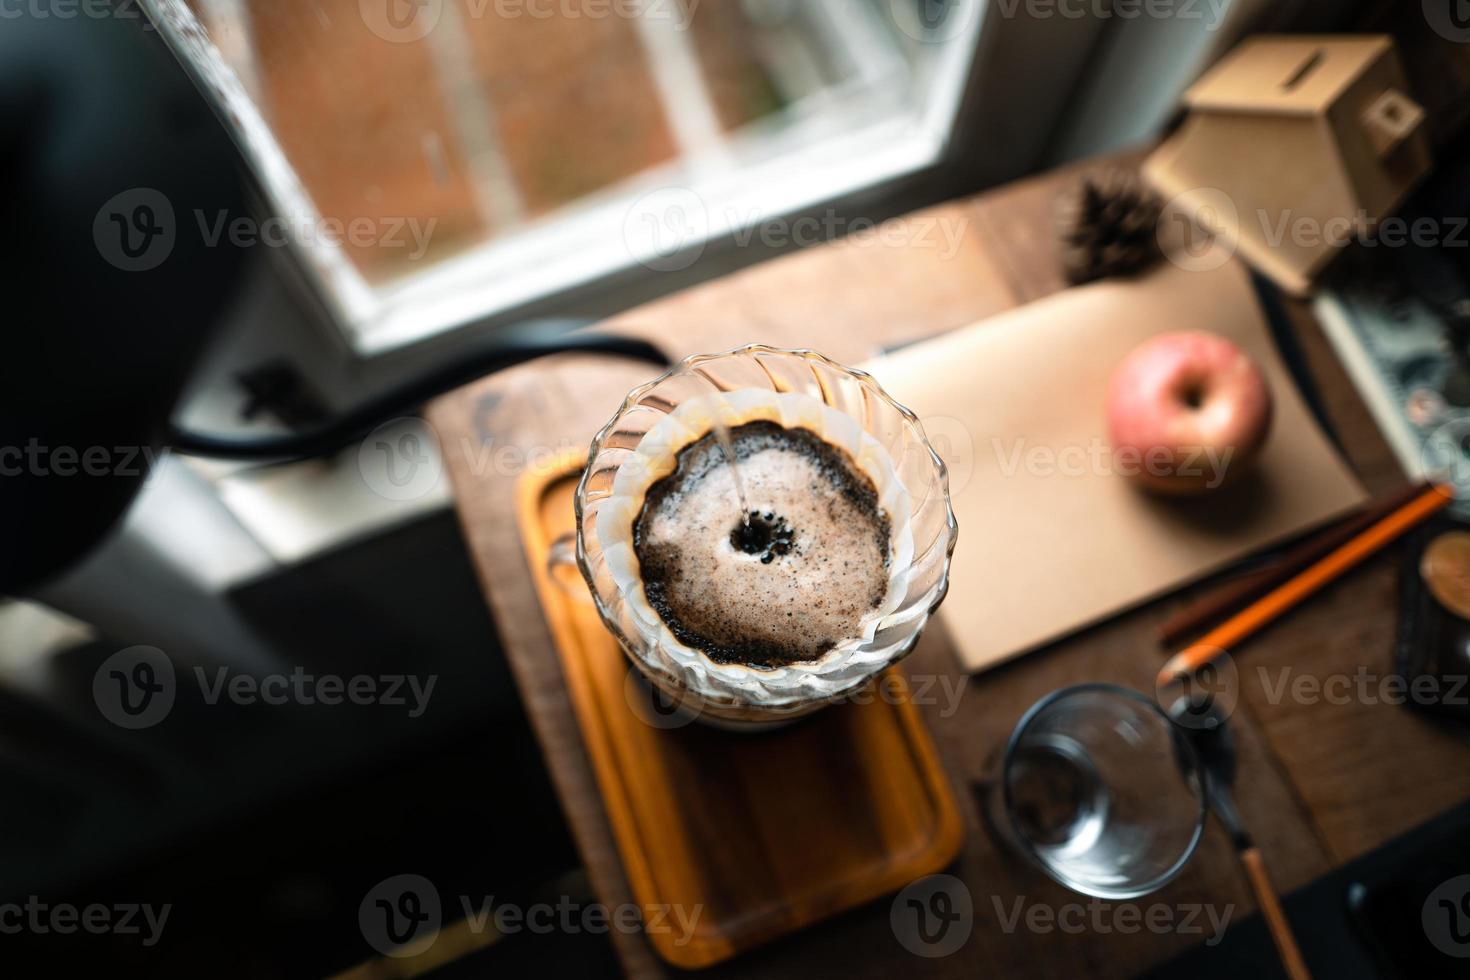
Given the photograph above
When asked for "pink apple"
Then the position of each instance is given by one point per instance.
(1187, 412)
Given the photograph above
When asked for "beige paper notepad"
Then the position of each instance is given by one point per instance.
(1051, 538)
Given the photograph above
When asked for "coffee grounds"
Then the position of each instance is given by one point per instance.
(783, 583)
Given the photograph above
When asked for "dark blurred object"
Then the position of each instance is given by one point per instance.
(507, 347)
(1415, 919)
(1436, 59)
(1398, 307)
(106, 155)
(1440, 275)
(263, 826)
(1107, 225)
(278, 389)
(114, 166)
(1432, 643)
(1362, 921)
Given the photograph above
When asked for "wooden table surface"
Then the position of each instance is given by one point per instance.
(1319, 783)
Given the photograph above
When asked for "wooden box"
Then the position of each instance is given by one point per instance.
(1294, 146)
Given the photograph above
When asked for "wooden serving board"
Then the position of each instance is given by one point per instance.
(758, 834)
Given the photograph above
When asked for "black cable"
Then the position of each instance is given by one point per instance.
(514, 346)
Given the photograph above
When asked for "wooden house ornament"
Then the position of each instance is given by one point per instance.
(1293, 146)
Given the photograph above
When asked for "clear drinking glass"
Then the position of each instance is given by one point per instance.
(1100, 790)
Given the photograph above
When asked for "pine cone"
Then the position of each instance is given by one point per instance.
(1107, 225)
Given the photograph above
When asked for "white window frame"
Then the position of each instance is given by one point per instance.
(789, 172)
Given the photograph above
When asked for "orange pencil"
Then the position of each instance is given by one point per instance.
(1291, 592)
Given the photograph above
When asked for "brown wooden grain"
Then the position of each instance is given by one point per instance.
(1319, 783)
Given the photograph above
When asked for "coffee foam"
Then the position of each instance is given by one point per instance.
(656, 456)
(786, 582)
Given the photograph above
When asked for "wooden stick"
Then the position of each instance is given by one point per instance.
(1305, 583)
(1275, 916)
(1229, 596)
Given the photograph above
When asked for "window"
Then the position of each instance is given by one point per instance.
(436, 162)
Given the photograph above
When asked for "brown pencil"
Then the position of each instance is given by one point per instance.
(1229, 596)
(1306, 582)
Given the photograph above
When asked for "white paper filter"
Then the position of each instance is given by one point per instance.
(847, 665)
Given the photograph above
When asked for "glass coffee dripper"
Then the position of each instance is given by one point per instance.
(856, 409)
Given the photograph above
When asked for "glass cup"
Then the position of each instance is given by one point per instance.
(1099, 789)
(740, 696)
